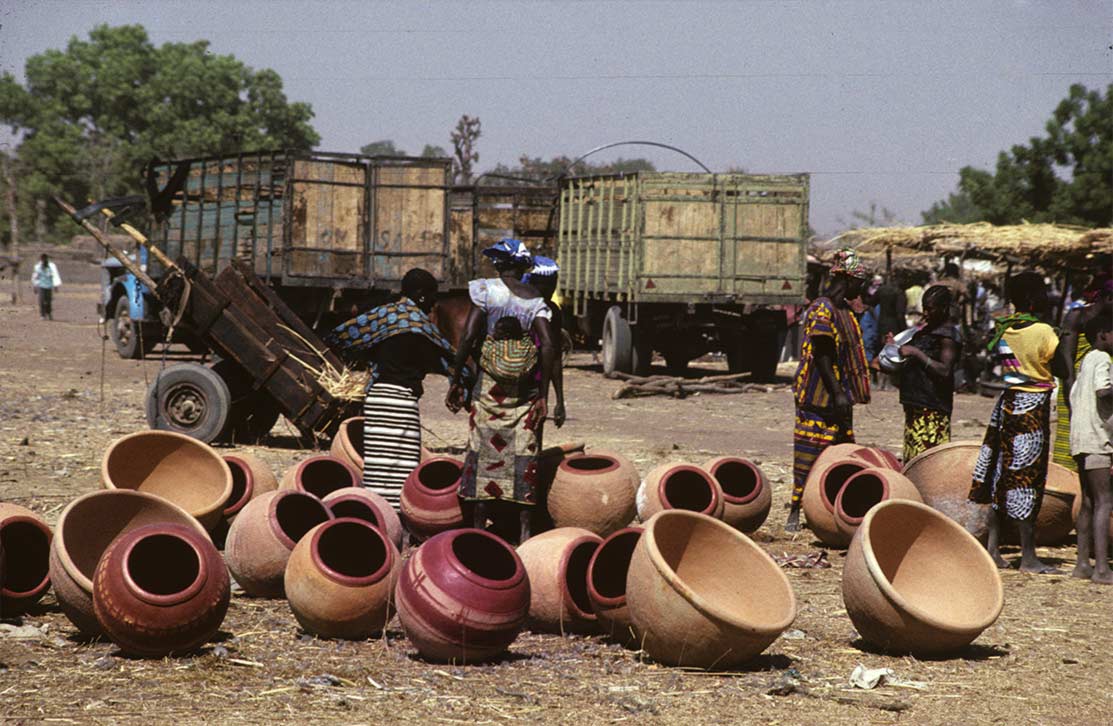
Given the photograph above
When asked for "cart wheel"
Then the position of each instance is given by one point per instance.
(252, 414)
(189, 399)
(618, 343)
(125, 333)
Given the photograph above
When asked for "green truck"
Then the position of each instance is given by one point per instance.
(683, 264)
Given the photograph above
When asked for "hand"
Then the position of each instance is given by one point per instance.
(454, 400)
(841, 404)
(558, 414)
(538, 412)
(906, 351)
(889, 338)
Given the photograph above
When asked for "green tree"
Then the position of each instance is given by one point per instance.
(88, 117)
(432, 151)
(383, 147)
(538, 169)
(957, 208)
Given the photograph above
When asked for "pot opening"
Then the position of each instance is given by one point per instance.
(180, 469)
(591, 463)
(241, 488)
(356, 509)
(321, 477)
(351, 549)
(833, 480)
(440, 474)
(860, 495)
(687, 489)
(612, 562)
(26, 556)
(484, 556)
(739, 481)
(163, 564)
(354, 431)
(297, 513)
(575, 576)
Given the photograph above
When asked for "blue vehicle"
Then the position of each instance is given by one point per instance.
(128, 309)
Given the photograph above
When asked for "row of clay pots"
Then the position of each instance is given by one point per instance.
(729, 488)
(347, 445)
(24, 558)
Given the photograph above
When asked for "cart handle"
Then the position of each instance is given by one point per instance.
(130, 265)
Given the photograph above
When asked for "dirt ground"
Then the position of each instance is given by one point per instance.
(1047, 659)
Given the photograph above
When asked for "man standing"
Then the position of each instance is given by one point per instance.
(45, 279)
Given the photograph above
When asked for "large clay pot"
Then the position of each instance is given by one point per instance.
(347, 445)
(702, 594)
(1057, 516)
(362, 503)
(264, 534)
(25, 543)
(161, 589)
(747, 495)
(915, 581)
(173, 466)
(430, 500)
(340, 579)
(871, 455)
(556, 562)
(606, 584)
(679, 486)
(867, 489)
(463, 597)
(821, 489)
(251, 478)
(595, 491)
(85, 529)
(321, 475)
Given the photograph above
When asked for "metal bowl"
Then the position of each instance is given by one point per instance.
(890, 359)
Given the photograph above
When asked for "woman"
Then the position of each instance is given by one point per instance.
(500, 470)
(1011, 470)
(401, 345)
(927, 380)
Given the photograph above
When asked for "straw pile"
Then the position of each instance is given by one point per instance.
(343, 383)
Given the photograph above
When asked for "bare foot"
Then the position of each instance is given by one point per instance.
(1001, 562)
(1039, 567)
(793, 523)
(1083, 571)
(1103, 577)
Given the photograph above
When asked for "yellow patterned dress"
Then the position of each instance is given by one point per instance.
(1061, 453)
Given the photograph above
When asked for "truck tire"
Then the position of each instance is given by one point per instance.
(132, 339)
(618, 343)
(189, 399)
(251, 413)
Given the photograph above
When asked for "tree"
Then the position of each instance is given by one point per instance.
(89, 117)
(384, 147)
(538, 169)
(432, 151)
(467, 132)
(958, 208)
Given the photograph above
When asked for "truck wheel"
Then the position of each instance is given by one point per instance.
(618, 343)
(189, 399)
(125, 333)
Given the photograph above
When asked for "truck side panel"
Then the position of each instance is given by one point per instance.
(328, 221)
(410, 219)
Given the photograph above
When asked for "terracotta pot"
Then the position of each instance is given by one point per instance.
(161, 589)
(85, 529)
(430, 500)
(702, 594)
(173, 466)
(837, 452)
(747, 495)
(1057, 515)
(25, 544)
(251, 478)
(340, 579)
(606, 584)
(347, 445)
(915, 581)
(867, 489)
(362, 503)
(264, 534)
(463, 597)
(679, 486)
(595, 491)
(321, 475)
(820, 491)
(556, 562)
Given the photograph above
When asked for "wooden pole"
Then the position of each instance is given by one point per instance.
(142, 239)
(129, 265)
(13, 221)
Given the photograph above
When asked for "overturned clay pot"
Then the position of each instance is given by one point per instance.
(250, 478)
(320, 475)
(430, 501)
(606, 584)
(679, 486)
(865, 490)
(362, 503)
(556, 562)
(747, 495)
(820, 490)
(594, 491)
(25, 544)
(347, 445)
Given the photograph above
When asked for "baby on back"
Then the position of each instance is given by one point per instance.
(507, 328)
(509, 355)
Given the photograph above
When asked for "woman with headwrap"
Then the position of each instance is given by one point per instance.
(543, 276)
(832, 376)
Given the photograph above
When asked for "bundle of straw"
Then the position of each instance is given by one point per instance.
(343, 383)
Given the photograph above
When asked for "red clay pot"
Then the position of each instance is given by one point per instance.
(594, 491)
(321, 475)
(173, 466)
(679, 486)
(362, 503)
(430, 500)
(251, 478)
(264, 534)
(914, 581)
(25, 547)
(160, 589)
(85, 529)
(867, 489)
(702, 594)
(747, 495)
(463, 597)
(821, 489)
(556, 562)
(606, 584)
(347, 445)
(340, 579)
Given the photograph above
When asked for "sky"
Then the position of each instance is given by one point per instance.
(882, 102)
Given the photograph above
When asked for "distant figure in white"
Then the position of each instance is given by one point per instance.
(45, 279)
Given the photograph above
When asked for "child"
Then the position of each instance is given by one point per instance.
(1091, 401)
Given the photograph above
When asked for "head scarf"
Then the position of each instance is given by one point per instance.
(508, 249)
(847, 262)
(542, 267)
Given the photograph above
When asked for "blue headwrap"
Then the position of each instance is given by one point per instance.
(509, 249)
(542, 267)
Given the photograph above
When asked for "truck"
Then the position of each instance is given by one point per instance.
(683, 264)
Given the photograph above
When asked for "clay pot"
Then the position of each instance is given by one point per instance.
(747, 495)
(430, 501)
(85, 529)
(594, 491)
(173, 466)
(264, 534)
(362, 503)
(915, 581)
(463, 597)
(556, 562)
(1057, 513)
(161, 589)
(679, 486)
(867, 489)
(25, 547)
(820, 491)
(251, 478)
(606, 584)
(321, 475)
(340, 579)
(873, 456)
(347, 445)
(702, 594)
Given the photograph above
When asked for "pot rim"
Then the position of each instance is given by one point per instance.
(41, 586)
(345, 496)
(569, 547)
(821, 481)
(885, 491)
(272, 514)
(509, 583)
(443, 491)
(613, 466)
(357, 478)
(713, 468)
(677, 468)
(610, 602)
(346, 445)
(339, 577)
(694, 598)
(249, 485)
(886, 587)
(174, 598)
